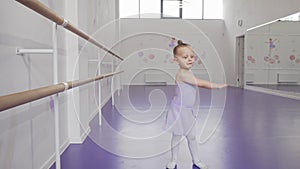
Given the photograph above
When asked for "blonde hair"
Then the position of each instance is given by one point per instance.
(180, 44)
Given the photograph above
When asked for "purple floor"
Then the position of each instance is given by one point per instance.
(256, 130)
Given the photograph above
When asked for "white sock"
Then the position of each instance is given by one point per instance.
(171, 165)
(201, 165)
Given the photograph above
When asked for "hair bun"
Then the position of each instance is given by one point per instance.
(179, 42)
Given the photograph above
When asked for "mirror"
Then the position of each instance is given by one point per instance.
(272, 55)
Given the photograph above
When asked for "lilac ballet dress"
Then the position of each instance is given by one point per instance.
(181, 117)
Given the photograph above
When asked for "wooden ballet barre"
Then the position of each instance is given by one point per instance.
(42, 9)
(16, 99)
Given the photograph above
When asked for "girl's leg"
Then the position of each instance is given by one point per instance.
(175, 146)
(192, 143)
(193, 146)
(174, 150)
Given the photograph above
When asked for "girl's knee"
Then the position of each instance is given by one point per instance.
(191, 137)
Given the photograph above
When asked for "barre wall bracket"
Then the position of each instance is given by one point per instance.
(33, 51)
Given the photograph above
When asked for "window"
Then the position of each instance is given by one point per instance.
(171, 8)
(294, 17)
(192, 9)
(184, 9)
(213, 9)
(149, 8)
(129, 8)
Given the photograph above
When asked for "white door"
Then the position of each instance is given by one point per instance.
(240, 60)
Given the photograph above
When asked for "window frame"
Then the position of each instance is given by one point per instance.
(169, 17)
(180, 10)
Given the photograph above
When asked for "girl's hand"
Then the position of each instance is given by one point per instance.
(222, 86)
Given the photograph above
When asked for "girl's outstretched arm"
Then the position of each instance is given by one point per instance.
(191, 79)
(209, 85)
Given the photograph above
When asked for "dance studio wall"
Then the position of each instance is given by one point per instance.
(97, 18)
(147, 44)
(271, 50)
(27, 132)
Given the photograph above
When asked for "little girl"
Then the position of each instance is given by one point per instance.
(180, 118)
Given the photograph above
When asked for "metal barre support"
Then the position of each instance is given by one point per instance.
(65, 23)
(45, 11)
(33, 51)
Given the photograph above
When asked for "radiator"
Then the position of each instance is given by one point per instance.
(249, 77)
(155, 79)
(287, 77)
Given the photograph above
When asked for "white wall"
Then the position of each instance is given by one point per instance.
(147, 44)
(253, 13)
(97, 19)
(27, 131)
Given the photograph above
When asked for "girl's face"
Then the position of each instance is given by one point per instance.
(185, 58)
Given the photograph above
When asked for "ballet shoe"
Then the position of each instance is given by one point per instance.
(200, 165)
(171, 165)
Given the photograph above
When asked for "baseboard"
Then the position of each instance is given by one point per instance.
(291, 95)
(63, 147)
(83, 136)
(95, 112)
(51, 160)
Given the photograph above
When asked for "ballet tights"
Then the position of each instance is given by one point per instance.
(192, 144)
